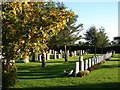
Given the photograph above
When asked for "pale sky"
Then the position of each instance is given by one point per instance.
(103, 14)
(96, 12)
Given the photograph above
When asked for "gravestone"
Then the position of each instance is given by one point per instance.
(68, 53)
(81, 53)
(50, 51)
(89, 62)
(86, 64)
(93, 62)
(81, 65)
(36, 57)
(55, 55)
(74, 53)
(97, 60)
(81, 58)
(39, 57)
(76, 68)
(47, 56)
(59, 56)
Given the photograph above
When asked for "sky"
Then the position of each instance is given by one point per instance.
(103, 14)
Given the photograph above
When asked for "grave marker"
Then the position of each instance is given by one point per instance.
(76, 68)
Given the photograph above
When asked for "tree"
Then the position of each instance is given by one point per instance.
(27, 26)
(96, 37)
(68, 36)
(103, 38)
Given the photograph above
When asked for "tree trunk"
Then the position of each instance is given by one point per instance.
(43, 60)
(33, 58)
(70, 52)
(65, 54)
(101, 50)
(95, 51)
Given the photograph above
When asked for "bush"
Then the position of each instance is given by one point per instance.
(103, 61)
(93, 67)
(83, 73)
(8, 74)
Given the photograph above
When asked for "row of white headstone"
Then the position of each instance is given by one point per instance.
(57, 55)
(87, 63)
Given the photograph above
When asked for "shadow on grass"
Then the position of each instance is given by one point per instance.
(95, 86)
(113, 60)
(109, 66)
(50, 71)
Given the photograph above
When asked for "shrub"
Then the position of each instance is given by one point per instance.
(103, 61)
(83, 73)
(93, 67)
(8, 74)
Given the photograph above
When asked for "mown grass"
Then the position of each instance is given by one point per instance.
(33, 76)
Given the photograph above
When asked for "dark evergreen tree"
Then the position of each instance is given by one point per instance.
(96, 37)
(68, 36)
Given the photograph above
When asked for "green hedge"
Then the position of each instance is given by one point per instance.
(8, 74)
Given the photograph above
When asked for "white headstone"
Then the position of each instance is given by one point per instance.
(76, 67)
(93, 61)
(36, 57)
(47, 56)
(82, 65)
(68, 53)
(74, 53)
(39, 58)
(80, 52)
(86, 64)
(50, 51)
(55, 56)
(97, 60)
(89, 62)
(81, 58)
(83, 51)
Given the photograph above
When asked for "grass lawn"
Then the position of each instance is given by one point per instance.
(33, 76)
